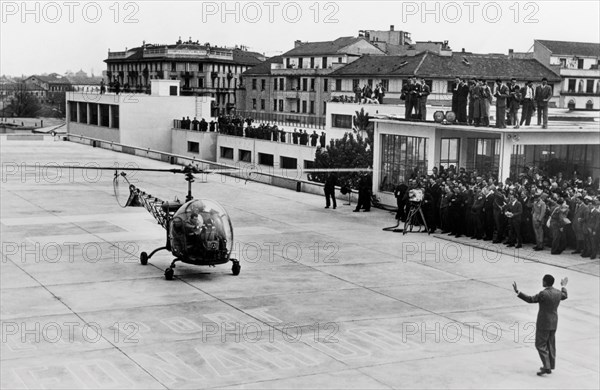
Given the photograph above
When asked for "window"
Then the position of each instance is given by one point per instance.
(563, 62)
(173, 90)
(245, 155)
(304, 84)
(325, 85)
(254, 104)
(340, 60)
(341, 121)
(274, 84)
(430, 85)
(288, 162)
(274, 104)
(281, 105)
(483, 154)
(580, 63)
(262, 104)
(312, 84)
(83, 112)
(589, 87)
(193, 147)
(572, 85)
(304, 106)
(73, 111)
(226, 152)
(200, 82)
(281, 84)
(299, 63)
(449, 153)
(385, 83)
(355, 83)
(400, 155)
(370, 83)
(338, 84)
(104, 115)
(312, 107)
(114, 112)
(262, 84)
(557, 158)
(254, 84)
(324, 62)
(309, 164)
(265, 159)
(312, 62)
(93, 114)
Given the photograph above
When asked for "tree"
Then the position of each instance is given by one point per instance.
(347, 152)
(363, 126)
(23, 103)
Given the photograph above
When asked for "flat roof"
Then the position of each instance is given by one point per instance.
(325, 298)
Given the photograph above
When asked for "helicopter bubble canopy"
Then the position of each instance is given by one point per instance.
(201, 229)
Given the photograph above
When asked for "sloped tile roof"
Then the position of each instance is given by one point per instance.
(322, 48)
(264, 68)
(464, 65)
(586, 49)
(485, 66)
(381, 66)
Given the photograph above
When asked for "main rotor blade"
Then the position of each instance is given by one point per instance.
(171, 170)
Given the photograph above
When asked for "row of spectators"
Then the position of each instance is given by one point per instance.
(536, 209)
(243, 127)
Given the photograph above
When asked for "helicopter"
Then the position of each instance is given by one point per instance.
(198, 231)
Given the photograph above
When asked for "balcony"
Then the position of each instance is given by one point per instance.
(290, 119)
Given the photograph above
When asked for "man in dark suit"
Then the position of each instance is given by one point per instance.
(543, 94)
(514, 211)
(514, 102)
(547, 319)
(330, 184)
(501, 94)
(527, 101)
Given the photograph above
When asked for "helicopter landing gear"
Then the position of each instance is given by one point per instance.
(144, 258)
(235, 268)
(169, 272)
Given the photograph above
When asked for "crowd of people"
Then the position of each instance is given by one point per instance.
(545, 211)
(243, 127)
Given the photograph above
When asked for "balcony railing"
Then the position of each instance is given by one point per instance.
(309, 121)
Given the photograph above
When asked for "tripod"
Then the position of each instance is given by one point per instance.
(414, 213)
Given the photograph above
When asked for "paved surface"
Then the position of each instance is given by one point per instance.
(325, 298)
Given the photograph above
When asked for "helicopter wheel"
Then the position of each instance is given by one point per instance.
(144, 258)
(169, 273)
(235, 268)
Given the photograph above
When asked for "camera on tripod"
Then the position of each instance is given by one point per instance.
(415, 195)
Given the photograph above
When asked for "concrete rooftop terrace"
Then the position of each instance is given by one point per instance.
(325, 298)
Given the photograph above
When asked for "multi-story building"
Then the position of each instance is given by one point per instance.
(203, 70)
(577, 64)
(296, 85)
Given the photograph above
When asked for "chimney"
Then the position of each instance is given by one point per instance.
(463, 49)
(297, 43)
(511, 53)
(392, 27)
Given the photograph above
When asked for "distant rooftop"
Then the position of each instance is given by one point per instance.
(585, 49)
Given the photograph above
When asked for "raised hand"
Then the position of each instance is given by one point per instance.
(515, 287)
(564, 281)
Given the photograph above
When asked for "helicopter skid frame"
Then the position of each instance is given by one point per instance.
(169, 272)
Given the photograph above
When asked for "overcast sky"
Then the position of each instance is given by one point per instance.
(45, 37)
